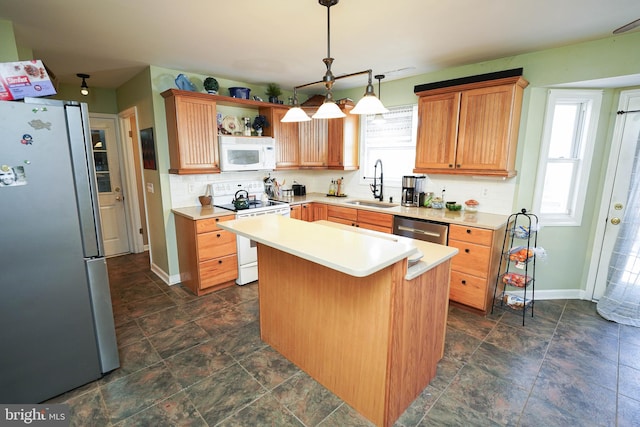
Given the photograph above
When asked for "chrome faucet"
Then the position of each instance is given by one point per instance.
(376, 188)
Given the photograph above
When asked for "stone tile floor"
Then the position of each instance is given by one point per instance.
(188, 361)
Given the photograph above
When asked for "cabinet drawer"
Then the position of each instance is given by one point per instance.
(211, 224)
(341, 220)
(344, 213)
(375, 218)
(375, 227)
(468, 290)
(216, 244)
(471, 234)
(471, 258)
(219, 270)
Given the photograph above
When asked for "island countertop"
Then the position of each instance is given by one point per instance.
(351, 251)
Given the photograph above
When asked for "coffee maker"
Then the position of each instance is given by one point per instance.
(420, 186)
(408, 190)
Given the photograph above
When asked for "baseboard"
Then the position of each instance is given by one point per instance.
(169, 280)
(554, 294)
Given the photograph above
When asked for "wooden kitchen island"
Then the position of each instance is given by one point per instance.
(342, 304)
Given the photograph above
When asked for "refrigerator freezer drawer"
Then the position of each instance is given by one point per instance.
(102, 313)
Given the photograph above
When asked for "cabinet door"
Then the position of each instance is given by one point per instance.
(437, 131)
(484, 136)
(286, 136)
(313, 143)
(306, 212)
(343, 143)
(318, 212)
(296, 211)
(193, 135)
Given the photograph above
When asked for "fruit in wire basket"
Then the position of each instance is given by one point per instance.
(515, 279)
(520, 255)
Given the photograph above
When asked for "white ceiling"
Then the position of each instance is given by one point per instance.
(284, 41)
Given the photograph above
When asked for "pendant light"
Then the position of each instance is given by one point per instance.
(379, 118)
(369, 104)
(295, 113)
(84, 89)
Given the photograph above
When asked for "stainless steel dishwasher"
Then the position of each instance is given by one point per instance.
(419, 229)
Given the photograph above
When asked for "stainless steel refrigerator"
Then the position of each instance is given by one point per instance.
(56, 321)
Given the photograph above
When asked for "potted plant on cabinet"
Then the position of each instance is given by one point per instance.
(211, 85)
(273, 92)
(258, 123)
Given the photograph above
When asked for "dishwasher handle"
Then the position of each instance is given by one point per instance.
(417, 231)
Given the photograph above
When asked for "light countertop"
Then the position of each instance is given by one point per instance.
(352, 251)
(472, 219)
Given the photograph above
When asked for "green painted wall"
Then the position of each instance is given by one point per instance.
(99, 100)
(8, 48)
(569, 248)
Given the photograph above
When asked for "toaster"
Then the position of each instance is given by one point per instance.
(299, 190)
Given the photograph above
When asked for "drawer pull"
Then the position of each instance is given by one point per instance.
(468, 231)
(464, 282)
(466, 250)
(219, 261)
(218, 235)
(217, 219)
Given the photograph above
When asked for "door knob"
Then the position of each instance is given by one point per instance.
(118, 198)
(615, 221)
(117, 189)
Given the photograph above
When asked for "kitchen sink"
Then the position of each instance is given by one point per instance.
(372, 204)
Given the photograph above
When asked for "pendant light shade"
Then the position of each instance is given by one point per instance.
(329, 110)
(295, 114)
(369, 104)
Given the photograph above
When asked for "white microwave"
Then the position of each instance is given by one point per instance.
(247, 153)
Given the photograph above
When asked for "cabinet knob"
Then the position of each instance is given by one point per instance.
(219, 261)
(450, 165)
(217, 219)
(458, 165)
(464, 282)
(468, 231)
(218, 235)
(466, 250)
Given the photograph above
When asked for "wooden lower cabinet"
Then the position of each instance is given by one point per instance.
(309, 211)
(475, 267)
(206, 253)
(361, 218)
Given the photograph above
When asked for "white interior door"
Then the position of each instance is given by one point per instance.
(104, 138)
(625, 140)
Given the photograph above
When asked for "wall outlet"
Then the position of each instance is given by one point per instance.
(485, 192)
(150, 187)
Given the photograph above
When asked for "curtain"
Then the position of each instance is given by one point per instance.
(621, 300)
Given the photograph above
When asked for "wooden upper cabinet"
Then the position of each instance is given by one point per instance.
(343, 141)
(193, 134)
(470, 129)
(313, 144)
(437, 131)
(286, 137)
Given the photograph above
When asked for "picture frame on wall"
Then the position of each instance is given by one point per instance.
(148, 149)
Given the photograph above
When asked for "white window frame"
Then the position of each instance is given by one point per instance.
(591, 101)
(366, 165)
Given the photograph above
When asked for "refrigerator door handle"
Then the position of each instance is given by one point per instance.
(85, 179)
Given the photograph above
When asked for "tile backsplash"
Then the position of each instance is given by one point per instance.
(494, 194)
